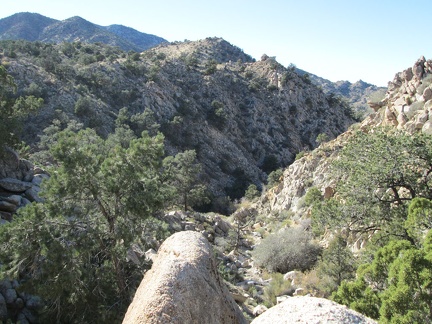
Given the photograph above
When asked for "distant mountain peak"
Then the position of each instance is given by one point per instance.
(24, 25)
(29, 15)
(35, 27)
(76, 19)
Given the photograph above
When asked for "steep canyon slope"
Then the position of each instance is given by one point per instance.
(243, 118)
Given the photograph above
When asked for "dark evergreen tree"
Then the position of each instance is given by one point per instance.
(72, 250)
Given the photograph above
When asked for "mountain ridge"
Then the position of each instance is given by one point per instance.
(35, 27)
(243, 118)
(356, 93)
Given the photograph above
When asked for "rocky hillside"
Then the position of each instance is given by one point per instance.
(407, 105)
(243, 118)
(357, 94)
(35, 27)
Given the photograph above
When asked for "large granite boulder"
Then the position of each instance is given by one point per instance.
(310, 310)
(183, 286)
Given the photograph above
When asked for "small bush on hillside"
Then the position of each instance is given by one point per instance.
(218, 114)
(321, 138)
(84, 107)
(252, 192)
(274, 177)
(299, 155)
(306, 78)
(190, 60)
(287, 250)
(210, 67)
(133, 56)
(312, 283)
(272, 87)
(277, 287)
(313, 195)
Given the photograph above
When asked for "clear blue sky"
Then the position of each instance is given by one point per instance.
(338, 40)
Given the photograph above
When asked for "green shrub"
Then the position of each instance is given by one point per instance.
(313, 195)
(191, 60)
(153, 73)
(395, 286)
(218, 114)
(87, 59)
(252, 192)
(277, 287)
(161, 56)
(287, 250)
(249, 75)
(299, 155)
(321, 138)
(134, 56)
(210, 67)
(84, 107)
(306, 78)
(274, 177)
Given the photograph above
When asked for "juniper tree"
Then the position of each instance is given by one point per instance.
(379, 173)
(183, 173)
(396, 287)
(72, 250)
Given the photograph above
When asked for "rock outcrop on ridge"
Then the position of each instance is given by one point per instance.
(408, 102)
(183, 286)
(407, 105)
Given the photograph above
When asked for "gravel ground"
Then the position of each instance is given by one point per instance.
(310, 310)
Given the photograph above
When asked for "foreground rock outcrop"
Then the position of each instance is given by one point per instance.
(310, 310)
(20, 184)
(183, 286)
